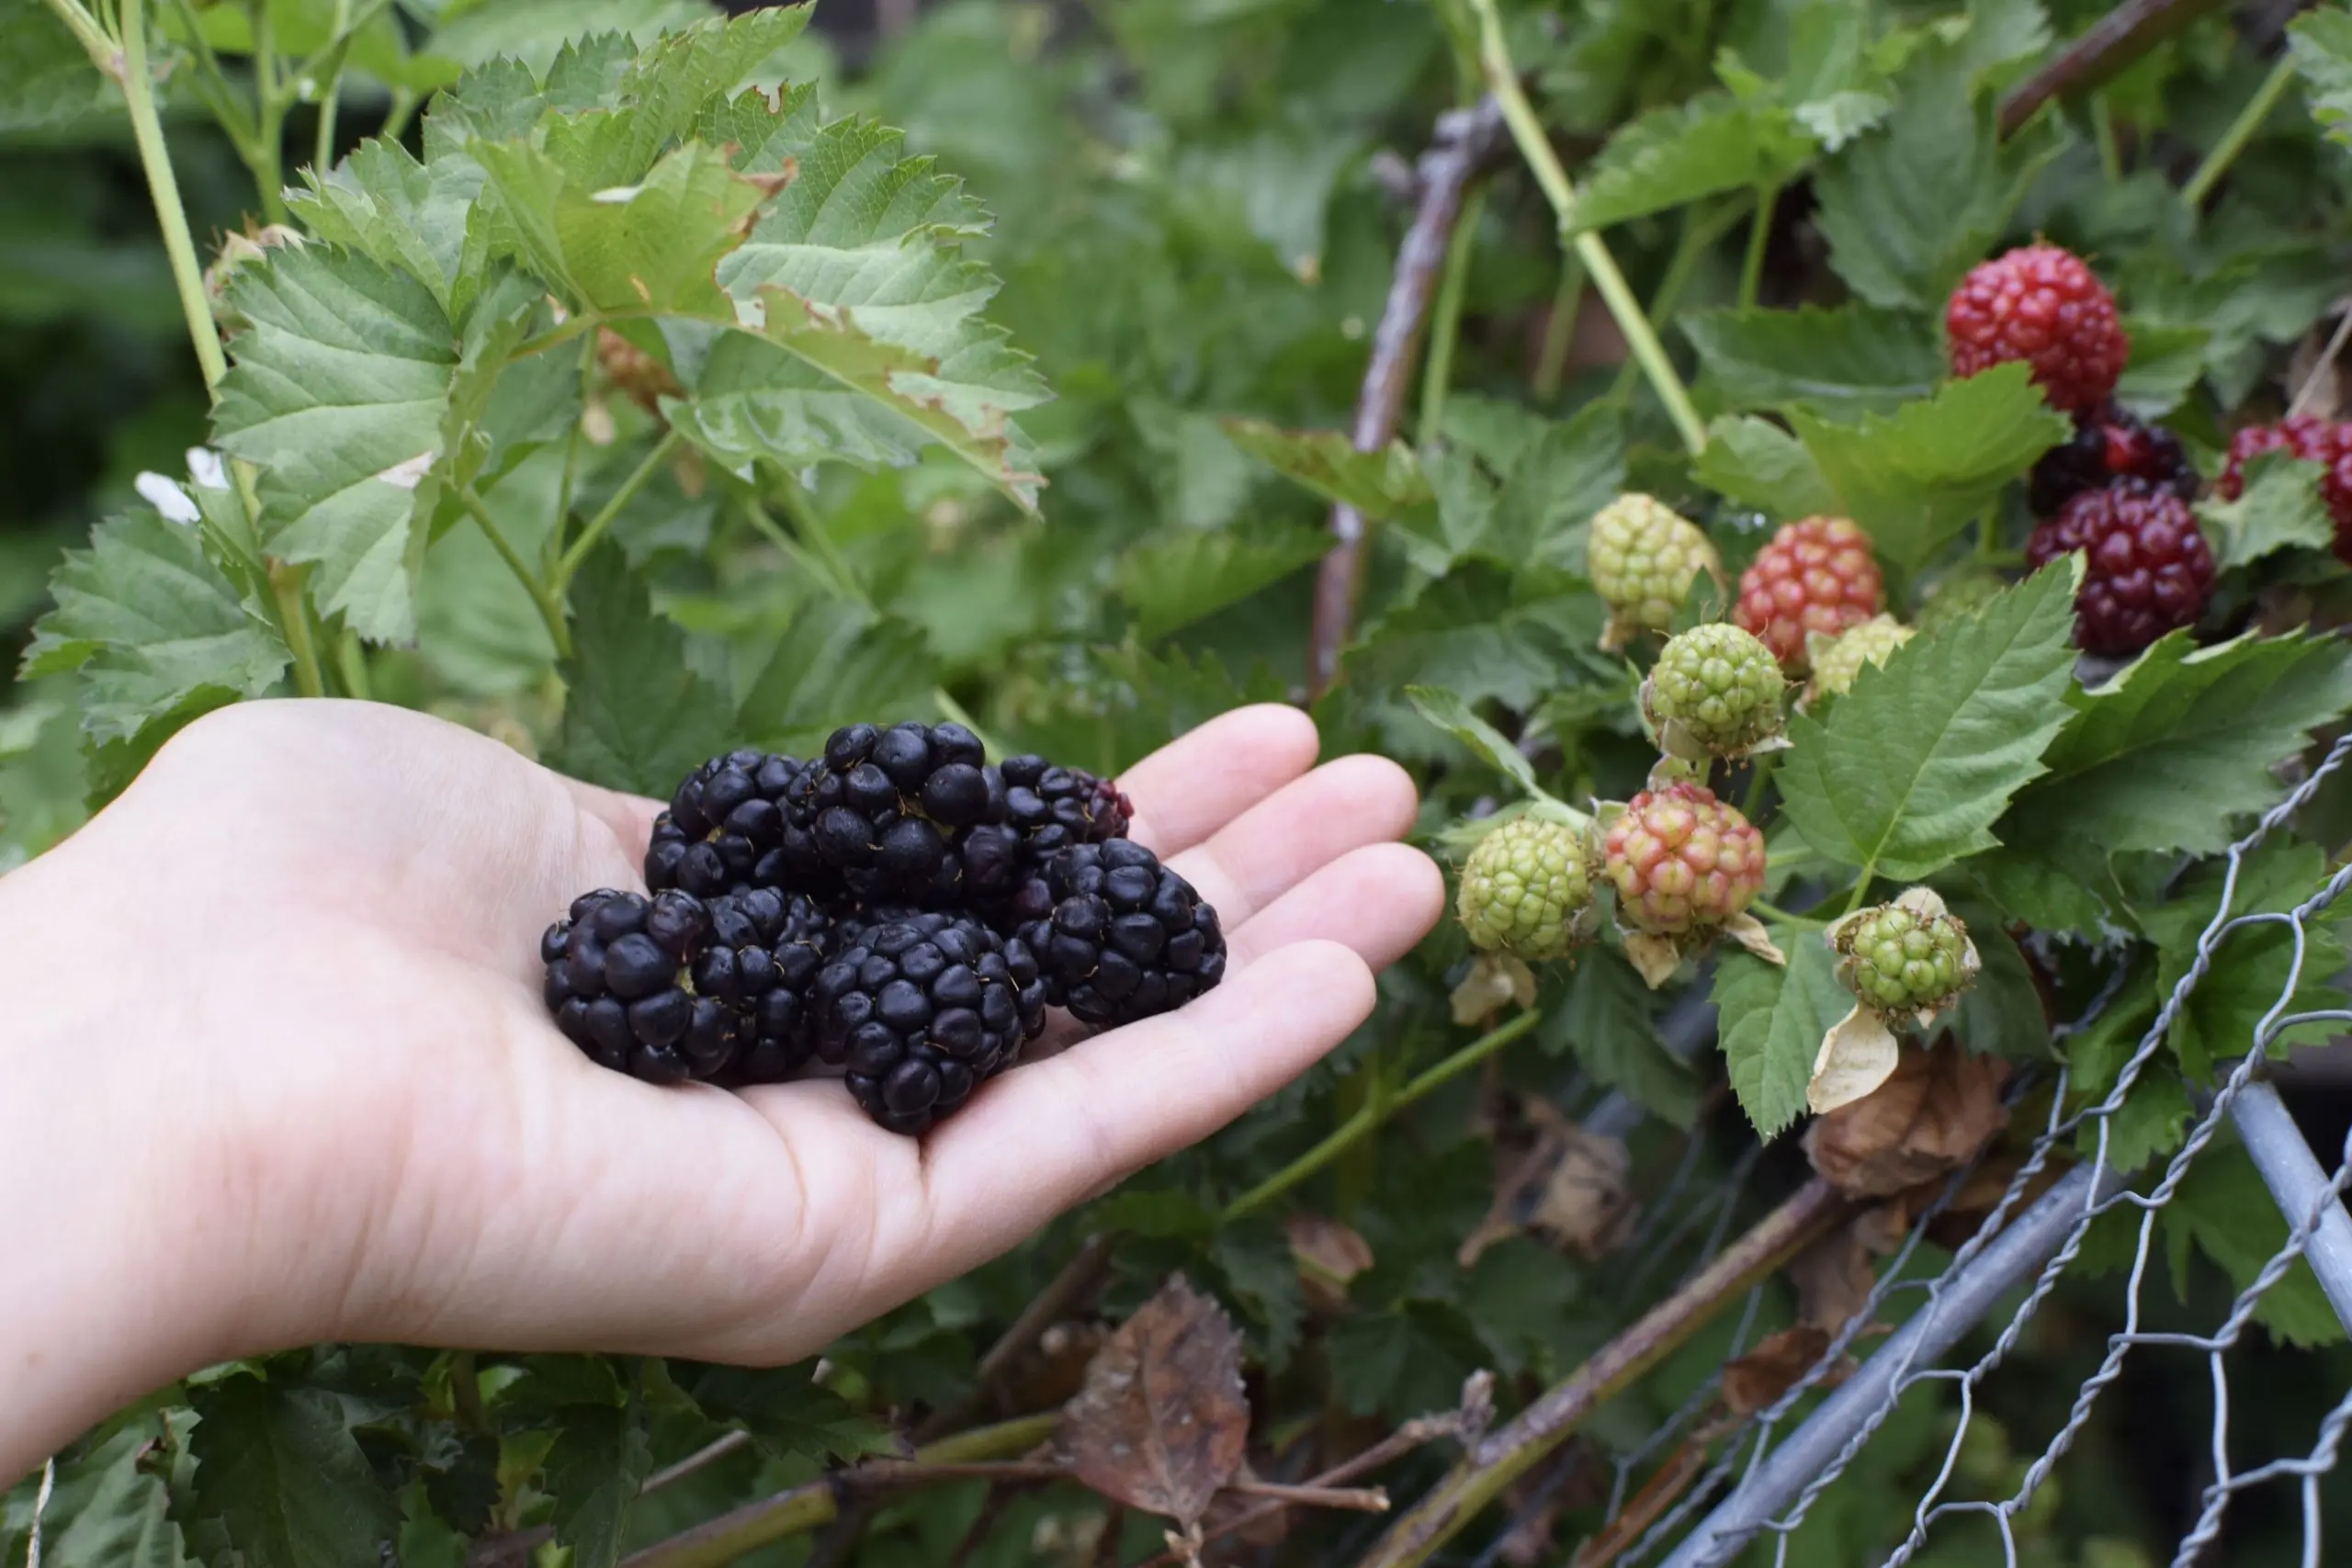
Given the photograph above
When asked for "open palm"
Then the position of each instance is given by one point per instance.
(341, 904)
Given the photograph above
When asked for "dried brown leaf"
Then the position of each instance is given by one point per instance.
(1161, 1423)
(1833, 1278)
(1329, 1256)
(1774, 1366)
(1930, 1117)
(1569, 1189)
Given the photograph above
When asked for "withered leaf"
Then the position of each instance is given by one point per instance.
(1569, 1189)
(1930, 1116)
(1161, 1423)
(1769, 1370)
(1833, 1278)
(1329, 1256)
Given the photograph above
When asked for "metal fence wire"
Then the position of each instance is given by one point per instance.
(1773, 1468)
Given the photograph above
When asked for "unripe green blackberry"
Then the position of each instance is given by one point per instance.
(1904, 958)
(1837, 661)
(1643, 556)
(1525, 888)
(1717, 685)
(1963, 593)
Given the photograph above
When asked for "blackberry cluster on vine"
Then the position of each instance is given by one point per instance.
(897, 911)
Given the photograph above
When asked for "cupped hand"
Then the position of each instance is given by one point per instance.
(292, 1055)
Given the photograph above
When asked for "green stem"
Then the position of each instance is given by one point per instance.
(87, 33)
(1759, 235)
(1698, 233)
(2225, 151)
(351, 665)
(1765, 910)
(331, 91)
(2110, 155)
(553, 551)
(1445, 315)
(1535, 147)
(265, 156)
(550, 607)
(1560, 332)
(294, 620)
(1862, 890)
(819, 541)
(465, 1391)
(1759, 778)
(396, 119)
(612, 509)
(220, 94)
(1374, 1112)
(156, 159)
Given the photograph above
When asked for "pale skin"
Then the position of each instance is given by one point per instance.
(274, 1068)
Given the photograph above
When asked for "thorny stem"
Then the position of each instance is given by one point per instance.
(1375, 1112)
(1759, 235)
(1445, 317)
(1560, 330)
(1535, 147)
(156, 159)
(2234, 141)
(549, 605)
(808, 1508)
(598, 524)
(1488, 1469)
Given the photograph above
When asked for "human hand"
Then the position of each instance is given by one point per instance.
(282, 1073)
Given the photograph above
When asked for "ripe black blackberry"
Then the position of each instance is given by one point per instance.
(2111, 444)
(920, 1010)
(726, 830)
(765, 948)
(617, 981)
(1128, 938)
(908, 814)
(1051, 810)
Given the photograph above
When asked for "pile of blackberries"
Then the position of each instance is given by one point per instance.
(900, 909)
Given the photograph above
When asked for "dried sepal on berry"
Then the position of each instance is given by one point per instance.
(1906, 962)
(1715, 691)
(1495, 979)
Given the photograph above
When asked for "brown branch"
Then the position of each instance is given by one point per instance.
(1361, 1499)
(1077, 1279)
(1508, 1454)
(2106, 48)
(1464, 139)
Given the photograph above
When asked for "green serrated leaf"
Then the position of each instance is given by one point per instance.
(637, 715)
(107, 1511)
(1177, 578)
(784, 1411)
(1451, 713)
(2001, 1013)
(473, 32)
(1916, 761)
(1407, 1360)
(2223, 1209)
(1567, 471)
(2166, 361)
(836, 664)
(1261, 1272)
(2173, 750)
(1605, 1019)
(337, 393)
(1380, 485)
(278, 1468)
(1681, 152)
(1856, 357)
(2255, 970)
(1916, 478)
(633, 104)
(2320, 43)
(408, 216)
(2280, 508)
(601, 1458)
(1481, 633)
(151, 623)
(1771, 1022)
(1757, 463)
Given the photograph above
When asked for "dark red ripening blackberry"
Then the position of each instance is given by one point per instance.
(618, 983)
(2315, 440)
(908, 814)
(1128, 938)
(2111, 445)
(726, 830)
(2147, 569)
(921, 1010)
(765, 950)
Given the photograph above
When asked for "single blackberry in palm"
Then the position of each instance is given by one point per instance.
(1126, 939)
(922, 1008)
(618, 983)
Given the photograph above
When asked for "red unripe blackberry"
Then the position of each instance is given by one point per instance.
(1818, 575)
(2040, 304)
(2322, 441)
(1682, 860)
(2147, 569)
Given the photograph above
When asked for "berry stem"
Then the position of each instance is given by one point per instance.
(1861, 889)
(1760, 233)
(1764, 910)
(596, 527)
(1445, 316)
(1759, 779)
(1560, 330)
(2241, 132)
(1535, 147)
(1375, 1112)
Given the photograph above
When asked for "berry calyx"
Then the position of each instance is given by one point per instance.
(1643, 556)
(1526, 887)
(1903, 959)
(2322, 441)
(1814, 576)
(1837, 661)
(1682, 860)
(2147, 569)
(2041, 305)
(1716, 686)
(2109, 445)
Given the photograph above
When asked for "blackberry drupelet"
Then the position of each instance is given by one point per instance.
(1128, 938)
(765, 950)
(2111, 445)
(726, 830)
(922, 1008)
(908, 814)
(617, 982)
(1049, 809)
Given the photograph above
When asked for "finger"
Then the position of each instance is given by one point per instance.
(1047, 1135)
(1197, 782)
(1270, 848)
(628, 818)
(1378, 901)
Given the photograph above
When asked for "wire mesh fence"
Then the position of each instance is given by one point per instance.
(1704, 1487)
